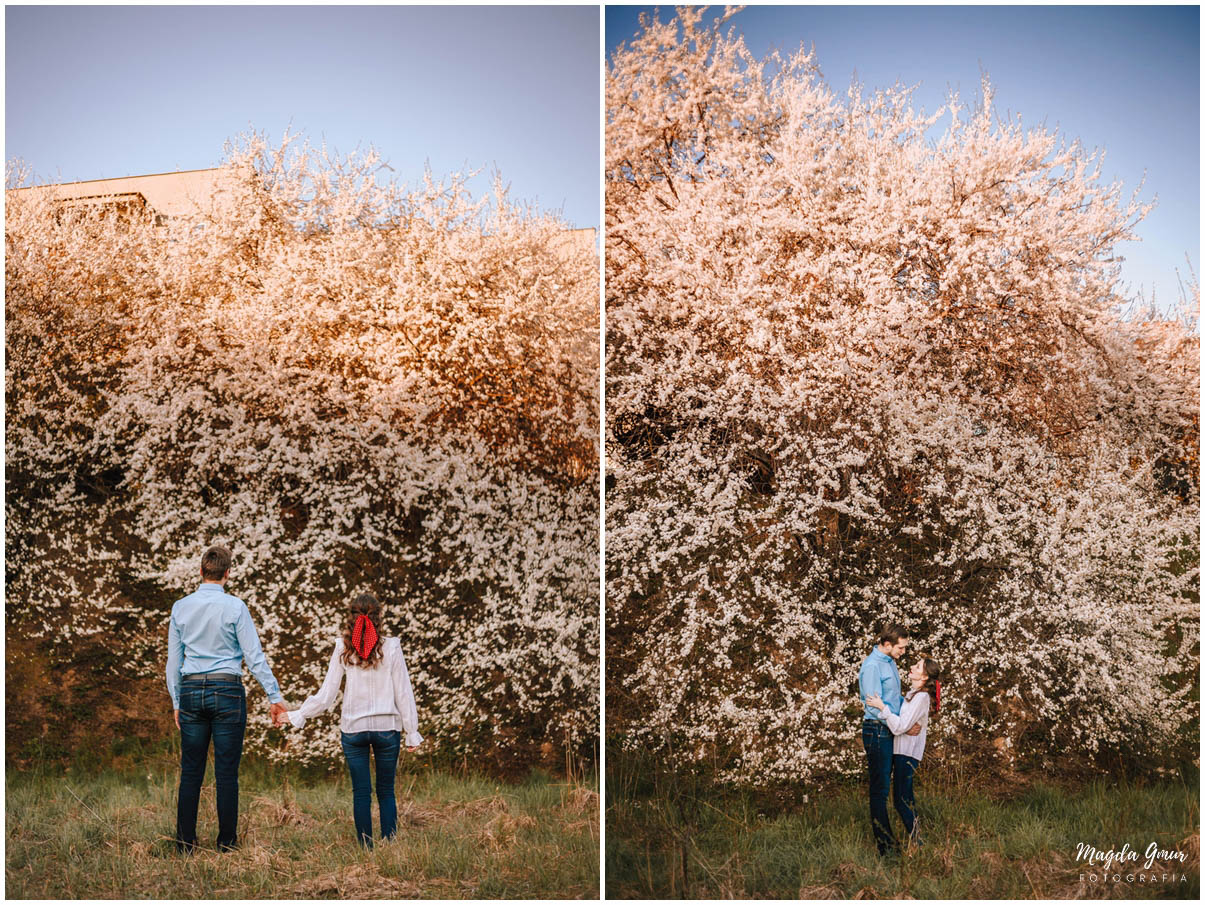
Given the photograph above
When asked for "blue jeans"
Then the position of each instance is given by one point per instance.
(385, 746)
(210, 708)
(902, 768)
(877, 743)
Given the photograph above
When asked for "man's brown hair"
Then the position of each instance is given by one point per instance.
(215, 563)
(892, 633)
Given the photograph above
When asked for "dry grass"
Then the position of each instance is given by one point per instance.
(672, 838)
(110, 836)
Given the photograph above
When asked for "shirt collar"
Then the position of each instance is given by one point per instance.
(210, 586)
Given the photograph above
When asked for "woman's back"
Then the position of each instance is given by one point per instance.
(369, 695)
(377, 697)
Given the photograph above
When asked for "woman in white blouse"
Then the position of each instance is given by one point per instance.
(907, 750)
(378, 704)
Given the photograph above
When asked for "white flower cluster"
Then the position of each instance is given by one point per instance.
(855, 376)
(354, 385)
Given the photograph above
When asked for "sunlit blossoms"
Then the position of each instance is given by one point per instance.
(855, 375)
(356, 386)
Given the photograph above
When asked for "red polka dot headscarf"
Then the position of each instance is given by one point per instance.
(363, 636)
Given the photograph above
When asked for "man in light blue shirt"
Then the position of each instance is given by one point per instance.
(879, 676)
(208, 637)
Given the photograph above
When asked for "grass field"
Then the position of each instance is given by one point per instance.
(109, 835)
(667, 839)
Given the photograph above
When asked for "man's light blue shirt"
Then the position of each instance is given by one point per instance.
(880, 676)
(211, 632)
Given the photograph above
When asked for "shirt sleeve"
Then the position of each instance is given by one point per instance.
(248, 640)
(910, 713)
(321, 701)
(893, 695)
(403, 697)
(868, 686)
(175, 659)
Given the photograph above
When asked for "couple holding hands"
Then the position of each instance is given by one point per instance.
(209, 636)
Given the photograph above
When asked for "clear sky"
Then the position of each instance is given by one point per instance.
(1123, 78)
(95, 92)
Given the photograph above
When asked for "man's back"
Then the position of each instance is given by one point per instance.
(209, 635)
(207, 621)
(212, 632)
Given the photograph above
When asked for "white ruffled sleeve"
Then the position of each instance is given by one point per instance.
(403, 698)
(325, 696)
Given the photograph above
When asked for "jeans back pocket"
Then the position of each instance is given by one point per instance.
(229, 705)
(191, 700)
(389, 738)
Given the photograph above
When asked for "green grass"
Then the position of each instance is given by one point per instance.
(109, 834)
(668, 837)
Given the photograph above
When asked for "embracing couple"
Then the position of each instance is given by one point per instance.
(894, 728)
(210, 635)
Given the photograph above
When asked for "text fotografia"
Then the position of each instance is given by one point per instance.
(1122, 865)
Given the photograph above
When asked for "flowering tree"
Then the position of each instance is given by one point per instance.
(855, 376)
(354, 385)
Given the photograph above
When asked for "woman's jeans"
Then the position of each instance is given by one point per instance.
(210, 708)
(385, 746)
(902, 768)
(877, 742)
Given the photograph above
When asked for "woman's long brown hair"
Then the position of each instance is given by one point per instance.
(933, 675)
(370, 607)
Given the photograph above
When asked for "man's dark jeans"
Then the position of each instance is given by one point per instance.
(902, 768)
(385, 747)
(877, 742)
(210, 708)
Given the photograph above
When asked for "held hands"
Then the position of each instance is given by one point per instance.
(278, 712)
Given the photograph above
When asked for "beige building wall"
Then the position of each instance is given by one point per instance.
(183, 193)
(582, 238)
(167, 194)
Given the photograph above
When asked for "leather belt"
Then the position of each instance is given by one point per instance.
(211, 677)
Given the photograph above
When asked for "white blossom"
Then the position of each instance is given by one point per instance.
(855, 376)
(356, 386)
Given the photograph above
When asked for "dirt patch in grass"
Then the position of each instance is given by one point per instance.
(428, 813)
(357, 881)
(267, 812)
(581, 800)
(820, 892)
(500, 831)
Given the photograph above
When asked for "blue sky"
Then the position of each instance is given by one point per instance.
(96, 92)
(1123, 78)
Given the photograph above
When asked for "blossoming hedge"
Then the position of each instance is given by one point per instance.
(353, 384)
(854, 376)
